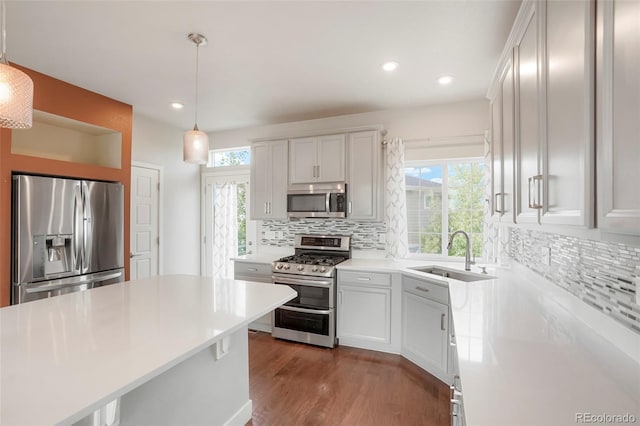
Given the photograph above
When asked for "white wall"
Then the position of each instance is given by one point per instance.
(158, 143)
(437, 122)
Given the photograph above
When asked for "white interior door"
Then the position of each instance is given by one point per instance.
(145, 243)
(216, 238)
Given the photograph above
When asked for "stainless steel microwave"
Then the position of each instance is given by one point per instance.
(317, 200)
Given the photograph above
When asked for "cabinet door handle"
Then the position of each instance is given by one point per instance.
(442, 322)
(340, 298)
(269, 207)
(364, 279)
(536, 180)
(349, 207)
(497, 210)
(318, 171)
(252, 269)
(426, 290)
(265, 208)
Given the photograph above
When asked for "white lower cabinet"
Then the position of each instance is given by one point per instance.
(366, 313)
(366, 310)
(456, 400)
(425, 325)
(260, 272)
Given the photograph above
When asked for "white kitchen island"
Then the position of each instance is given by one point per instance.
(173, 348)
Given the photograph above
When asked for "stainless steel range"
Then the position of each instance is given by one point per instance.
(310, 317)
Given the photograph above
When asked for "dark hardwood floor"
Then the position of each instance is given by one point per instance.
(297, 384)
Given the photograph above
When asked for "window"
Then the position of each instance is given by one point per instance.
(229, 157)
(443, 197)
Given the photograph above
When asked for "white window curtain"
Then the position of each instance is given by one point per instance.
(225, 226)
(396, 200)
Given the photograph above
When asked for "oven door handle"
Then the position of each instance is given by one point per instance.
(304, 311)
(311, 283)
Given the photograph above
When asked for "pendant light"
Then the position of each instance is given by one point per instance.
(16, 90)
(195, 142)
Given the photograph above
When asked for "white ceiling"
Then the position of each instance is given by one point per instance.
(266, 62)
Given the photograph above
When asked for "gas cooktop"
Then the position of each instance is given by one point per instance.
(315, 255)
(313, 259)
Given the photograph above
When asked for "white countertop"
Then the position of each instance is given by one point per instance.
(530, 353)
(526, 357)
(265, 255)
(62, 358)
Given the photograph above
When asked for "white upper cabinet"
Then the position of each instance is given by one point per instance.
(547, 112)
(526, 56)
(496, 154)
(502, 152)
(567, 166)
(363, 177)
(303, 160)
(268, 193)
(502, 146)
(507, 197)
(618, 115)
(317, 159)
(331, 158)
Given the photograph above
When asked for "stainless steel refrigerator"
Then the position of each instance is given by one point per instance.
(67, 236)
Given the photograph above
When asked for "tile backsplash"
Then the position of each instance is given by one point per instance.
(365, 235)
(605, 275)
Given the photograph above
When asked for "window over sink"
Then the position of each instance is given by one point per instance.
(444, 196)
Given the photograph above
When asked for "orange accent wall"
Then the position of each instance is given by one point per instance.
(60, 98)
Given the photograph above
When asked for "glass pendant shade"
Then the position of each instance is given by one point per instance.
(16, 98)
(195, 147)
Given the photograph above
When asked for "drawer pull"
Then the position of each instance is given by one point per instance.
(252, 269)
(426, 290)
(442, 322)
(364, 279)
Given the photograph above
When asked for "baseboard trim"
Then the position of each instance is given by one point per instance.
(242, 416)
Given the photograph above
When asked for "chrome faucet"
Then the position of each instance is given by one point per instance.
(467, 253)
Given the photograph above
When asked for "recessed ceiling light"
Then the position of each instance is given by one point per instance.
(389, 66)
(445, 79)
(177, 105)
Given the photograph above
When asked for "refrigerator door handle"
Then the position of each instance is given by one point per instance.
(72, 282)
(106, 277)
(87, 234)
(78, 216)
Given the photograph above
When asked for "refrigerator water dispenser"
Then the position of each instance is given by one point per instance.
(52, 255)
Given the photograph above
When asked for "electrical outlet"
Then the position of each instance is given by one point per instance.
(279, 235)
(269, 235)
(545, 255)
(382, 238)
(222, 347)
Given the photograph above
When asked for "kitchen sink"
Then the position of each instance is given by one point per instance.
(452, 273)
